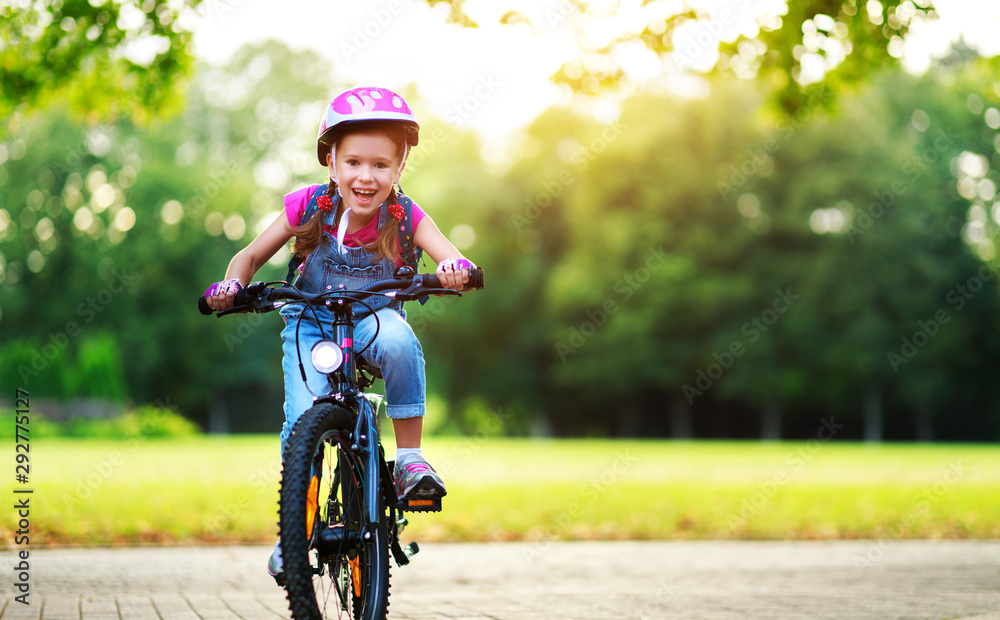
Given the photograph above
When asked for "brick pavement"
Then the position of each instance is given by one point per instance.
(586, 580)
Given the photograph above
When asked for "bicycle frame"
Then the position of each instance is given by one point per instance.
(344, 391)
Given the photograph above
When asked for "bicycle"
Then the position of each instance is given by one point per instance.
(339, 517)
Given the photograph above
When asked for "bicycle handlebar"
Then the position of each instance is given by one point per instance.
(257, 297)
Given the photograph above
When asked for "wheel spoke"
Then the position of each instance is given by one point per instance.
(322, 491)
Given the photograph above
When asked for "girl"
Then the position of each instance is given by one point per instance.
(353, 239)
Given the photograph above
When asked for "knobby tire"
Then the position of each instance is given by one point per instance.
(319, 445)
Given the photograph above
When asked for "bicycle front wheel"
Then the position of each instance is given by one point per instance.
(336, 564)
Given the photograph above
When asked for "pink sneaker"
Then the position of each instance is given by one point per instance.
(415, 478)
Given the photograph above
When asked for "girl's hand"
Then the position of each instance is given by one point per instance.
(453, 273)
(221, 295)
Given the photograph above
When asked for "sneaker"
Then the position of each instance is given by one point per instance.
(275, 567)
(416, 478)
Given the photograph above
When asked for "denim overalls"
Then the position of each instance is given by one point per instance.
(396, 351)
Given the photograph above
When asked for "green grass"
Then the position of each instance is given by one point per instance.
(225, 490)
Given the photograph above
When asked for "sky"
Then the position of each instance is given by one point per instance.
(488, 79)
(495, 79)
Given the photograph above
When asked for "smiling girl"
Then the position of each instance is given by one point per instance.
(352, 235)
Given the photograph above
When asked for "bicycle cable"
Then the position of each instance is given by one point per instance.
(298, 325)
(374, 313)
(311, 307)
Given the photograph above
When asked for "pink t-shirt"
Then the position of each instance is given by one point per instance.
(297, 201)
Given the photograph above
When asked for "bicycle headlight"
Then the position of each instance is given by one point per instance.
(327, 356)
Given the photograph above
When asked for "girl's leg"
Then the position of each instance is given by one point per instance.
(397, 353)
(408, 431)
(298, 399)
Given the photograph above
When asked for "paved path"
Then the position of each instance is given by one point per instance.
(849, 580)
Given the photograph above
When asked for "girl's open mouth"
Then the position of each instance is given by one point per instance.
(364, 196)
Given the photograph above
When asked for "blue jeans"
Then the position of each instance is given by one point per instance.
(396, 352)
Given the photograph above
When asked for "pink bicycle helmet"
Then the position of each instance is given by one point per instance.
(364, 104)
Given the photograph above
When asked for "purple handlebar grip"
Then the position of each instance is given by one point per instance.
(224, 287)
(457, 263)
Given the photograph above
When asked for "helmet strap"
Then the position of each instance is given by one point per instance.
(333, 155)
(399, 173)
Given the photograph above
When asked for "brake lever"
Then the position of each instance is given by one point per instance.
(441, 291)
(234, 310)
(253, 294)
(416, 291)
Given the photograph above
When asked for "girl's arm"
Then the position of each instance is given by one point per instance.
(439, 248)
(251, 258)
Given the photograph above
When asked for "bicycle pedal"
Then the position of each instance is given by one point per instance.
(418, 504)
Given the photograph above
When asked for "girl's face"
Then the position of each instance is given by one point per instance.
(367, 165)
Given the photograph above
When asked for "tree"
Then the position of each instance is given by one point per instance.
(800, 254)
(843, 40)
(103, 59)
(118, 228)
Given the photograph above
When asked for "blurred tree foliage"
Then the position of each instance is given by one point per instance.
(131, 58)
(697, 267)
(118, 228)
(848, 39)
(100, 59)
(707, 268)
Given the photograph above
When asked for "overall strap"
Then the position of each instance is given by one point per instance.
(411, 252)
(311, 208)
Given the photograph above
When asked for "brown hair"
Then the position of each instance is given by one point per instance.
(309, 235)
